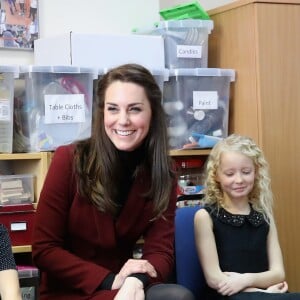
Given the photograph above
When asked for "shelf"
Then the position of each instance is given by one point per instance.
(36, 163)
(190, 152)
(21, 249)
(17, 156)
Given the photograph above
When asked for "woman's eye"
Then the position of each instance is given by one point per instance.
(135, 109)
(111, 108)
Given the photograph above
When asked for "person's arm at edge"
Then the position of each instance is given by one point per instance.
(206, 248)
(276, 273)
(9, 285)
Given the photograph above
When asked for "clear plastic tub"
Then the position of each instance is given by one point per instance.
(185, 42)
(16, 189)
(53, 107)
(7, 78)
(196, 102)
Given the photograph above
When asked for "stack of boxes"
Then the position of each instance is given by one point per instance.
(16, 191)
(195, 98)
(50, 104)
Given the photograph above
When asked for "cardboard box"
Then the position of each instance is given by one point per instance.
(19, 221)
(100, 50)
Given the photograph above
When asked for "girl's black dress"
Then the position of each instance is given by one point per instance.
(6, 256)
(241, 242)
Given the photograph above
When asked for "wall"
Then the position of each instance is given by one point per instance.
(57, 17)
(94, 16)
(206, 4)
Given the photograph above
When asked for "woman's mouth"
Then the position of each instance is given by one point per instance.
(124, 132)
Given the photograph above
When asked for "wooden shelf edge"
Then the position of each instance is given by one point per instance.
(21, 249)
(16, 156)
(189, 152)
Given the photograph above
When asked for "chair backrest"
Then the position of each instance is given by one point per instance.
(188, 269)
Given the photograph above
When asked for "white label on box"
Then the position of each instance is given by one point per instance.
(4, 110)
(205, 100)
(28, 293)
(189, 51)
(18, 226)
(64, 108)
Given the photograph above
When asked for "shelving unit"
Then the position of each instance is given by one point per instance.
(36, 164)
(190, 152)
(21, 249)
(28, 163)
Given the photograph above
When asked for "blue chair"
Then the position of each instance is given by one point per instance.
(188, 269)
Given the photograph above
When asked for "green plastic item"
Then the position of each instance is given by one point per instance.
(192, 10)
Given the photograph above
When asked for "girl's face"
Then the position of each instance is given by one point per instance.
(236, 175)
(127, 115)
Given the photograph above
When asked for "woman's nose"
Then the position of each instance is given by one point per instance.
(124, 118)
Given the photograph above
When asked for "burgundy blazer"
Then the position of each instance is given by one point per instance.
(75, 246)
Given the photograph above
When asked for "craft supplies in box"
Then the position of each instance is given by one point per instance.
(53, 107)
(16, 189)
(185, 41)
(190, 178)
(7, 76)
(196, 103)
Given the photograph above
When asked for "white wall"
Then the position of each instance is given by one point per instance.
(206, 4)
(94, 16)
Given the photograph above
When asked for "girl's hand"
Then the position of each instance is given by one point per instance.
(281, 287)
(132, 289)
(232, 284)
(133, 266)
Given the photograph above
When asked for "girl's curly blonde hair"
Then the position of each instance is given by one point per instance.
(261, 197)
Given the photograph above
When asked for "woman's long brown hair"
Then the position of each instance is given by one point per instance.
(96, 159)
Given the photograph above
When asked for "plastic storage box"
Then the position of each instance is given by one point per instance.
(185, 42)
(29, 282)
(53, 108)
(196, 102)
(7, 77)
(19, 220)
(16, 189)
(160, 77)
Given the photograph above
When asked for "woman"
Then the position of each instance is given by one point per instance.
(235, 232)
(9, 281)
(102, 194)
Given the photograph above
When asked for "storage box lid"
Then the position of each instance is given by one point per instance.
(58, 69)
(157, 27)
(203, 72)
(163, 72)
(10, 69)
(187, 23)
(192, 10)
